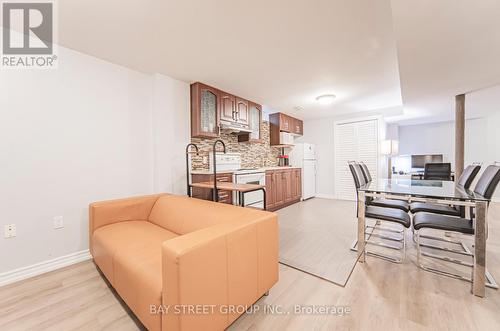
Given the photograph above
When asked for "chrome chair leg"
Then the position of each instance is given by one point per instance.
(384, 228)
(490, 281)
(377, 227)
(384, 236)
(404, 243)
(419, 253)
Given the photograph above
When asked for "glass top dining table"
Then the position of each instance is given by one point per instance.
(433, 191)
(437, 189)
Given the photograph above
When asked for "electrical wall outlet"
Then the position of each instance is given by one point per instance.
(58, 222)
(10, 231)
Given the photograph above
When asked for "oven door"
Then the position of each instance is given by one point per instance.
(252, 199)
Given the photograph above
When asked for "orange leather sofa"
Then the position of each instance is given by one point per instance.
(182, 263)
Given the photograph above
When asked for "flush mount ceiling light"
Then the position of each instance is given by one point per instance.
(326, 99)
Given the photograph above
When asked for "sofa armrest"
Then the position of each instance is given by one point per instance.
(112, 211)
(227, 265)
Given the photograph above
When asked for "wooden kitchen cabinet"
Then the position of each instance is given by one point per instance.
(233, 109)
(227, 107)
(296, 184)
(255, 120)
(211, 106)
(297, 126)
(206, 194)
(280, 188)
(287, 184)
(279, 122)
(285, 122)
(242, 111)
(283, 187)
(270, 190)
(205, 105)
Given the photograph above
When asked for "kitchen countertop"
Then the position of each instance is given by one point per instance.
(208, 172)
(279, 168)
(229, 186)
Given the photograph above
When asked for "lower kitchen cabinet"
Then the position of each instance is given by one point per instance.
(270, 190)
(296, 183)
(283, 187)
(206, 194)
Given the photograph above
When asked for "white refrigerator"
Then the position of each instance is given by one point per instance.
(304, 156)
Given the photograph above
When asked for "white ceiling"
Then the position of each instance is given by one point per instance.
(281, 53)
(445, 48)
(284, 53)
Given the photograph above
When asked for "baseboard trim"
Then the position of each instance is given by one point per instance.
(325, 196)
(289, 203)
(16, 275)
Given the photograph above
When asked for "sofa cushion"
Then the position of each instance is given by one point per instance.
(129, 254)
(182, 215)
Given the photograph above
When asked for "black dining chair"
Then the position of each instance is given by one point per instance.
(465, 181)
(390, 215)
(485, 187)
(437, 171)
(468, 175)
(388, 203)
(366, 172)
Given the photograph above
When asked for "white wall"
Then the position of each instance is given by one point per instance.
(171, 132)
(481, 144)
(481, 140)
(429, 138)
(86, 131)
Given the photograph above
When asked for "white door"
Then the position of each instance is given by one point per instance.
(354, 141)
(309, 179)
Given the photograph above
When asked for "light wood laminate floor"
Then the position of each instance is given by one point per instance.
(315, 241)
(380, 295)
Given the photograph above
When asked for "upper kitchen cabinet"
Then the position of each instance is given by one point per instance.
(227, 107)
(233, 109)
(205, 104)
(213, 110)
(283, 128)
(297, 126)
(285, 123)
(242, 111)
(254, 120)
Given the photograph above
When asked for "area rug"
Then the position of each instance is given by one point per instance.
(316, 236)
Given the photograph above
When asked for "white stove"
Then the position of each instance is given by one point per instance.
(243, 171)
(232, 162)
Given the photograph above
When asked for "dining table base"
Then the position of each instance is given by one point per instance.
(479, 277)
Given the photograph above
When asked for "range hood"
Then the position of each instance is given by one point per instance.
(236, 128)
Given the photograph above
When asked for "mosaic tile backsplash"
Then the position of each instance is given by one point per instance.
(253, 155)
